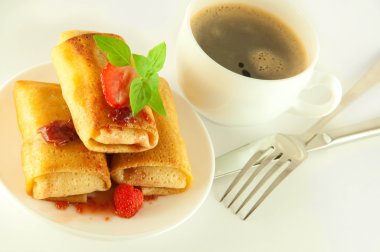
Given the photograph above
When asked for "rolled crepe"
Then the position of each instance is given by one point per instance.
(78, 63)
(166, 168)
(53, 172)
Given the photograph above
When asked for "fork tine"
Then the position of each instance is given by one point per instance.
(258, 169)
(280, 161)
(274, 184)
(256, 158)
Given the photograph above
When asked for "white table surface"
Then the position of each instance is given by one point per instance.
(331, 203)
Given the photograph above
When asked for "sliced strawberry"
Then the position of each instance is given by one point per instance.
(116, 82)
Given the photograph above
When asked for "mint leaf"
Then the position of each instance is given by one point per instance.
(155, 101)
(157, 56)
(142, 65)
(118, 52)
(140, 93)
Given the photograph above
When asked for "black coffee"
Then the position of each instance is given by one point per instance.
(249, 41)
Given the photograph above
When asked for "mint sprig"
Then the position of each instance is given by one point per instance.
(144, 89)
(155, 101)
(157, 56)
(118, 52)
(139, 94)
(142, 65)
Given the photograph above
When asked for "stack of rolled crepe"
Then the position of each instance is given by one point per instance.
(78, 63)
(150, 154)
(159, 167)
(53, 172)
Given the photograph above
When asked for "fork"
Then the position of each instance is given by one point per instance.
(278, 155)
(232, 162)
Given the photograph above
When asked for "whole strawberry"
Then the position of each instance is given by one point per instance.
(128, 200)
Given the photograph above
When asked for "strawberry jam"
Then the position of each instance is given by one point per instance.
(61, 205)
(58, 132)
(146, 116)
(122, 115)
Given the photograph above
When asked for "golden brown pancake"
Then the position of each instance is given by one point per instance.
(73, 199)
(53, 172)
(164, 169)
(71, 33)
(78, 63)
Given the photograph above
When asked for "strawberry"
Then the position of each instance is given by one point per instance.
(127, 200)
(116, 82)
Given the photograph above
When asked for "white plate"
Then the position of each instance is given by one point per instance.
(156, 217)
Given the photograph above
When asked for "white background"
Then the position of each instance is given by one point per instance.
(331, 203)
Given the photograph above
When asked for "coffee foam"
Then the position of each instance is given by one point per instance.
(266, 62)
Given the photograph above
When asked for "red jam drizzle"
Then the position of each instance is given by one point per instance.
(146, 116)
(122, 115)
(125, 116)
(92, 206)
(98, 203)
(58, 133)
(150, 198)
(61, 205)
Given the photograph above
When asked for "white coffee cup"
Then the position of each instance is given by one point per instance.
(229, 98)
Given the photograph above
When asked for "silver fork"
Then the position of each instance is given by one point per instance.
(233, 161)
(278, 155)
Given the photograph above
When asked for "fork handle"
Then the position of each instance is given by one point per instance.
(369, 79)
(344, 135)
(233, 161)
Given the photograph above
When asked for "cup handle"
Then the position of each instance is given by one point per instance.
(320, 79)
